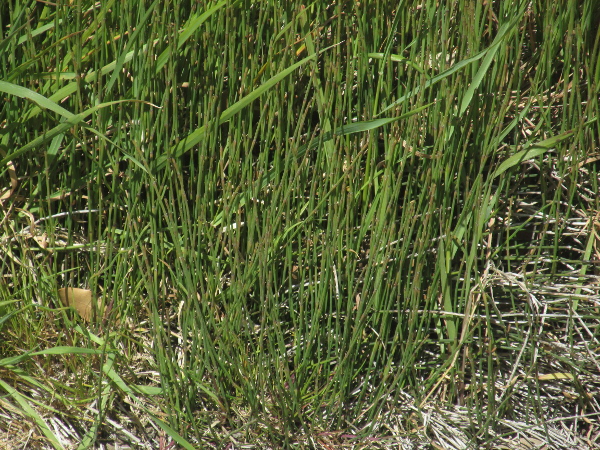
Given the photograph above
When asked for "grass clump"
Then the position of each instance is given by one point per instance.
(337, 224)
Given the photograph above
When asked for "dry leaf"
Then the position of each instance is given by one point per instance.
(556, 376)
(81, 300)
(12, 173)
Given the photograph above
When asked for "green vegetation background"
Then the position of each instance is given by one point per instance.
(300, 218)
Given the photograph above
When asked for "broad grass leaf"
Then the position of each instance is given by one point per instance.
(69, 350)
(400, 59)
(38, 99)
(197, 135)
(355, 127)
(108, 369)
(488, 52)
(30, 412)
(487, 61)
(534, 150)
(63, 127)
(120, 61)
(189, 28)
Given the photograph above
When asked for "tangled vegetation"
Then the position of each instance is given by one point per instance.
(281, 224)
